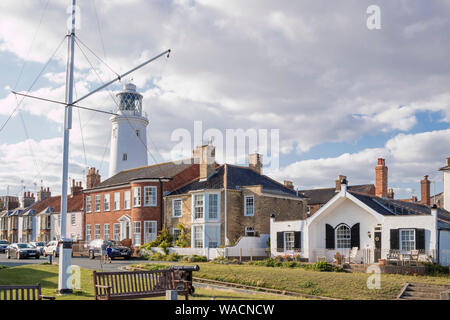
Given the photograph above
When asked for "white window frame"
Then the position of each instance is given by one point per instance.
(195, 206)
(97, 228)
(137, 235)
(97, 202)
(136, 197)
(116, 201)
(289, 240)
(127, 200)
(176, 233)
(150, 225)
(150, 198)
(173, 208)
(208, 205)
(106, 202)
(411, 241)
(73, 219)
(194, 236)
(246, 213)
(106, 234)
(249, 230)
(346, 239)
(88, 233)
(116, 231)
(88, 204)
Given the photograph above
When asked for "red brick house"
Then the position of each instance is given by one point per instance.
(129, 205)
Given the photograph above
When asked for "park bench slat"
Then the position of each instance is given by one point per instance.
(134, 284)
(22, 292)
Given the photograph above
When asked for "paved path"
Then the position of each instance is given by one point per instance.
(83, 262)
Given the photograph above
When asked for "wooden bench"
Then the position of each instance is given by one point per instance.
(137, 284)
(22, 293)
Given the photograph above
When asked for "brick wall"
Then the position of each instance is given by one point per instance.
(141, 213)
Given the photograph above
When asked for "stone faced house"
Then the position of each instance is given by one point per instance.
(227, 202)
(128, 205)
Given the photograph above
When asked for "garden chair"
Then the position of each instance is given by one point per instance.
(393, 257)
(414, 257)
(352, 256)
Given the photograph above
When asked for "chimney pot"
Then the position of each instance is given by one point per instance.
(448, 161)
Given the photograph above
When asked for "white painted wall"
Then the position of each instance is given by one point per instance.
(282, 226)
(447, 190)
(344, 208)
(125, 140)
(444, 247)
(404, 222)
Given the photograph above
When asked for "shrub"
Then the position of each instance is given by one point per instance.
(184, 239)
(163, 240)
(436, 270)
(194, 258)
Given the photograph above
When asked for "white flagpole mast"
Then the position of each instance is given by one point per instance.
(65, 247)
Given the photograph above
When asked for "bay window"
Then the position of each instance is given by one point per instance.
(150, 193)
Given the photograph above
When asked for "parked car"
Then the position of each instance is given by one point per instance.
(96, 247)
(3, 245)
(40, 245)
(51, 248)
(22, 250)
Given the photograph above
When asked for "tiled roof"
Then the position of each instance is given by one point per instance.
(392, 207)
(158, 171)
(323, 195)
(237, 177)
(74, 204)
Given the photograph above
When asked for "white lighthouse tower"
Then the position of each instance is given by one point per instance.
(128, 136)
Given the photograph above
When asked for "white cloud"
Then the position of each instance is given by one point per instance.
(408, 156)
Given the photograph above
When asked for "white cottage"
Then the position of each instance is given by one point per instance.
(374, 225)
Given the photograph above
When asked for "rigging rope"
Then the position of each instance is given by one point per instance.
(32, 85)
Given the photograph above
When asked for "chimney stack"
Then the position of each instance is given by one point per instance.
(338, 182)
(28, 199)
(92, 178)
(205, 156)
(43, 194)
(76, 187)
(255, 162)
(288, 184)
(425, 191)
(390, 193)
(381, 179)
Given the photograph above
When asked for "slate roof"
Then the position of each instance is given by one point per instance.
(323, 195)
(392, 207)
(237, 177)
(158, 171)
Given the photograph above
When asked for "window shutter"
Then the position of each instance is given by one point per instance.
(420, 239)
(395, 239)
(355, 236)
(329, 237)
(297, 240)
(280, 242)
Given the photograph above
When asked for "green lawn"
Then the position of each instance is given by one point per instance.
(47, 275)
(330, 284)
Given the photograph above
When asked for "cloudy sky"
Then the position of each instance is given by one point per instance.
(340, 94)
